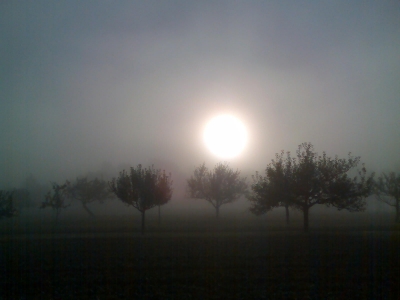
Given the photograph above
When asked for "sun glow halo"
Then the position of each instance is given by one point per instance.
(225, 136)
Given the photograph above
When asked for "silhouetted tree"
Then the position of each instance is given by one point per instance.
(218, 187)
(272, 190)
(387, 190)
(163, 191)
(319, 180)
(56, 199)
(88, 191)
(142, 188)
(7, 208)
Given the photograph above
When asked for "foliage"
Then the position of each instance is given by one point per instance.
(164, 188)
(272, 190)
(387, 190)
(218, 187)
(142, 188)
(88, 191)
(323, 180)
(310, 179)
(7, 208)
(57, 199)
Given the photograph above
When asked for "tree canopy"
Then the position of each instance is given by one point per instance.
(219, 186)
(272, 190)
(87, 191)
(310, 179)
(142, 188)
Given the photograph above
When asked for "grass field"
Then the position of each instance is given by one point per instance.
(198, 258)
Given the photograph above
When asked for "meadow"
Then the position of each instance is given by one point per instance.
(197, 257)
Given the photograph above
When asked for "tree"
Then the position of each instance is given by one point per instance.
(88, 191)
(317, 180)
(387, 190)
(7, 208)
(142, 188)
(57, 199)
(164, 192)
(218, 187)
(272, 190)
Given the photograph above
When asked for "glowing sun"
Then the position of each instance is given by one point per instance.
(225, 136)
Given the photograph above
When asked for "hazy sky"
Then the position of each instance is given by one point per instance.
(86, 84)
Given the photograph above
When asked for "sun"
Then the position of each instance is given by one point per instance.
(225, 136)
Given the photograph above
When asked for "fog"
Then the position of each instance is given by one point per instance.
(96, 87)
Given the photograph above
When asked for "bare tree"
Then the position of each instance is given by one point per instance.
(142, 188)
(218, 187)
(387, 190)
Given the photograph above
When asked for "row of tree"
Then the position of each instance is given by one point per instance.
(84, 190)
(141, 188)
(298, 182)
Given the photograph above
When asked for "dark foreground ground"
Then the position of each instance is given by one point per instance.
(225, 264)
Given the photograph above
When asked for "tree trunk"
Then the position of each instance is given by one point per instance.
(217, 211)
(287, 214)
(87, 210)
(143, 215)
(305, 211)
(397, 210)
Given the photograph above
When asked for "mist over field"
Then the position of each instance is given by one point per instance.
(91, 88)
